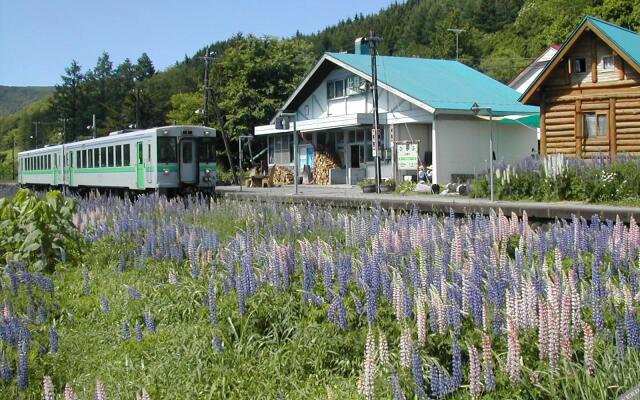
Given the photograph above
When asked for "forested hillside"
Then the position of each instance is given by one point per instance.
(14, 98)
(251, 76)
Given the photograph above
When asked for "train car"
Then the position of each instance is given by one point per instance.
(170, 160)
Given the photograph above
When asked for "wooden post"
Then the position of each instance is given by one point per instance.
(618, 63)
(613, 146)
(578, 128)
(543, 130)
(594, 59)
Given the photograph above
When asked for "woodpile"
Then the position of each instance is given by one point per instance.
(282, 175)
(323, 163)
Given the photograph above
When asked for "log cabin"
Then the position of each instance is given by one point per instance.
(589, 93)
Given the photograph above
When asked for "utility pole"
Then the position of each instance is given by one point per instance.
(36, 123)
(205, 114)
(373, 50)
(457, 32)
(13, 158)
(137, 107)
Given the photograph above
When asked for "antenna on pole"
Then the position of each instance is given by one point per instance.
(205, 111)
(457, 31)
(372, 41)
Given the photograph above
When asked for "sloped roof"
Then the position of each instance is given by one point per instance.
(441, 84)
(624, 41)
(627, 40)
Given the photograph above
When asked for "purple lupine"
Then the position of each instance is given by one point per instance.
(217, 344)
(6, 373)
(456, 363)
(395, 386)
(86, 282)
(138, 329)
(134, 293)
(620, 342)
(104, 303)
(23, 366)
(588, 349)
(53, 340)
(487, 364)
(337, 312)
(213, 310)
(416, 367)
(633, 331)
(126, 333)
(149, 322)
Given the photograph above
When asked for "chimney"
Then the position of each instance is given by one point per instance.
(361, 46)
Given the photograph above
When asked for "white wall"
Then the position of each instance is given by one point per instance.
(317, 105)
(462, 145)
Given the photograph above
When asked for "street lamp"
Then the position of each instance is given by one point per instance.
(248, 137)
(476, 109)
(457, 31)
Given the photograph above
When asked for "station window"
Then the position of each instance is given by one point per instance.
(103, 157)
(110, 156)
(90, 158)
(118, 156)
(126, 155)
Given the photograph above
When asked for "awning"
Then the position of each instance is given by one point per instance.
(532, 120)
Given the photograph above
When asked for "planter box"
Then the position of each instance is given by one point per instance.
(387, 188)
(369, 188)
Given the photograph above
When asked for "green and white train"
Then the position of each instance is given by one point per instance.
(170, 160)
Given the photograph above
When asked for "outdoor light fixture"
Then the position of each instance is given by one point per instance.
(475, 109)
(165, 132)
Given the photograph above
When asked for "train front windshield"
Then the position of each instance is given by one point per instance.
(206, 150)
(167, 150)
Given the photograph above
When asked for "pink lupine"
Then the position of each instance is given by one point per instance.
(513, 352)
(366, 383)
(68, 393)
(576, 305)
(565, 325)
(101, 393)
(383, 349)
(48, 392)
(553, 327)
(588, 349)
(487, 364)
(405, 347)
(399, 299)
(145, 395)
(543, 334)
(475, 387)
(421, 316)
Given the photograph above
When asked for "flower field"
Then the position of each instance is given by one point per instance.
(186, 299)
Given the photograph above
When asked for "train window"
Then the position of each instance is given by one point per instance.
(103, 156)
(48, 161)
(206, 150)
(167, 150)
(96, 158)
(187, 152)
(90, 158)
(77, 165)
(126, 155)
(84, 159)
(118, 156)
(110, 155)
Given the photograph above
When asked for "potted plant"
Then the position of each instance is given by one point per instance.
(388, 185)
(367, 185)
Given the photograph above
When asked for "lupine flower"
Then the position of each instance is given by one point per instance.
(457, 363)
(565, 326)
(487, 364)
(134, 293)
(53, 340)
(149, 322)
(126, 333)
(475, 387)
(69, 393)
(173, 279)
(138, 329)
(383, 349)
(513, 352)
(48, 391)
(104, 303)
(6, 373)
(86, 281)
(416, 367)
(145, 395)
(588, 349)
(213, 310)
(421, 317)
(101, 393)
(23, 367)
(405, 347)
(395, 386)
(366, 384)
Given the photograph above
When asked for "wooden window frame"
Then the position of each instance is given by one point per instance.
(598, 138)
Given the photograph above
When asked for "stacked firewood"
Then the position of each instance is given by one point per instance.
(282, 175)
(323, 163)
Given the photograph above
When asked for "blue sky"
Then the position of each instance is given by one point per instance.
(38, 39)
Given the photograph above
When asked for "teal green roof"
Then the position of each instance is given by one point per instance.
(627, 40)
(440, 84)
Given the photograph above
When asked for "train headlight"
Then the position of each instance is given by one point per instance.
(207, 172)
(165, 172)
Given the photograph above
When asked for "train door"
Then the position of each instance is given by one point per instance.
(139, 166)
(72, 181)
(55, 169)
(188, 171)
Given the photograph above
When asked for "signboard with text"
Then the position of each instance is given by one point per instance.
(408, 156)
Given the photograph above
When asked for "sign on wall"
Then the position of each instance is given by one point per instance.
(408, 156)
